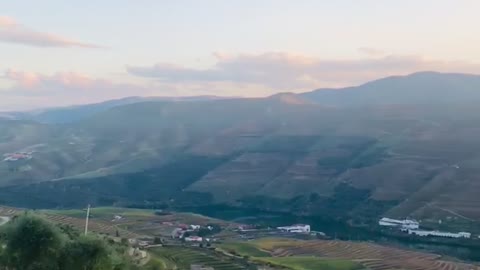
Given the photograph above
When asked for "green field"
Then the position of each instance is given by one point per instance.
(271, 243)
(102, 212)
(244, 249)
(310, 263)
(256, 252)
(182, 258)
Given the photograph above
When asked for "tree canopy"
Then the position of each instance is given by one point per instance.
(29, 242)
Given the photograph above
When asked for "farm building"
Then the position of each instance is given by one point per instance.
(177, 233)
(195, 227)
(17, 156)
(406, 223)
(440, 234)
(296, 228)
(193, 239)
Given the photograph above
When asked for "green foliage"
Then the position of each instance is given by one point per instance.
(32, 243)
(86, 253)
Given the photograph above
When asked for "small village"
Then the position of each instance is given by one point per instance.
(412, 227)
(17, 156)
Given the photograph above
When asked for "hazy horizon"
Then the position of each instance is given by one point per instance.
(95, 51)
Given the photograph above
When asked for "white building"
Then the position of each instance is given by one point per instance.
(193, 239)
(296, 228)
(195, 227)
(440, 234)
(404, 224)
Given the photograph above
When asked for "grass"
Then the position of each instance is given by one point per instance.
(310, 263)
(244, 249)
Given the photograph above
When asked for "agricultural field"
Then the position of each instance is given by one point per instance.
(76, 219)
(103, 212)
(310, 263)
(182, 258)
(140, 221)
(371, 256)
(94, 226)
(243, 249)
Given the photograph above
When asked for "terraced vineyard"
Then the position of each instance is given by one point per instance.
(373, 256)
(79, 223)
(182, 258)
(94, 226)
(9, 211)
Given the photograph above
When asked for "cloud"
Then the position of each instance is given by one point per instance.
(231, 75)
(60, 83)
(30, 90)
(13, 32)
(293, 72)
(34, 90)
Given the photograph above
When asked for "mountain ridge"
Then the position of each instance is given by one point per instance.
(282, 153)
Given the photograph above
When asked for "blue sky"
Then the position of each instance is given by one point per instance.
(68, 52)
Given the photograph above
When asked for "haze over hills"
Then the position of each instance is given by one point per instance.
(399, 146)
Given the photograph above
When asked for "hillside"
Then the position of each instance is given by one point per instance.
(351, 156)
(70, 114)
(422, 88)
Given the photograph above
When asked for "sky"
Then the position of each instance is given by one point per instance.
(65, 52)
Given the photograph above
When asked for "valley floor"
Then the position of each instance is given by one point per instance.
(230, 248)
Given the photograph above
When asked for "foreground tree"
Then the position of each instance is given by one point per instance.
(31, 244)
(86, 253)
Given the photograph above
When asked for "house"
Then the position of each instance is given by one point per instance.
(17, 156)
(440, 234)
(193, 239)
(405, 224)
(296, 228)
(132, 241)
(195, 227)
(142, 254)
(183, 226)
(177, 233)
(143, 243)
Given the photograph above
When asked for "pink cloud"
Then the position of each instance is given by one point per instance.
(281, 71)
(61, 83)
(13, 32)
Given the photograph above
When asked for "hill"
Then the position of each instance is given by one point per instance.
(347, 156)
(70, 114)
(422, 88)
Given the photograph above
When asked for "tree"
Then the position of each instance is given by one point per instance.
(32, 243)
(86, 253)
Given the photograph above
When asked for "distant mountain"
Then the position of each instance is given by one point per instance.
(400, 146)
(70, 114)
(417, 89)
